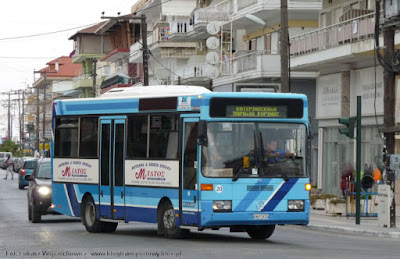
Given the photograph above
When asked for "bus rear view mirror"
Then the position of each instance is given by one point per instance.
(202, 133)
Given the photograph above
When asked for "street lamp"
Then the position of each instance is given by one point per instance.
(255, 19)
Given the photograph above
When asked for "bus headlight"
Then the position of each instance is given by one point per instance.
(44, 190)
(222, 206)
(295, 205)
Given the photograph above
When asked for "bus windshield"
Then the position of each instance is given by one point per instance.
(254, 149)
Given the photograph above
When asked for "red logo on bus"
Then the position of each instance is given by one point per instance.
(141, 174)
(67, 171)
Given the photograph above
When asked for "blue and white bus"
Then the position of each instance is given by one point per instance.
(182, 157)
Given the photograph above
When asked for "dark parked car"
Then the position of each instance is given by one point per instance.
(39, 191)
(27, 169)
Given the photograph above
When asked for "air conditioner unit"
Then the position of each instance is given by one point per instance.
(163, 17)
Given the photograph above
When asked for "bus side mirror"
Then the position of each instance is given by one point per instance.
(202, 133)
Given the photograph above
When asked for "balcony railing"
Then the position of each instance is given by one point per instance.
(251, 61)
(181, 27)
(352, 30)
(193, 70)
(218, 12)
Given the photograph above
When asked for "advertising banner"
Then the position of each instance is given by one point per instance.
(76, 170)
(152, 173)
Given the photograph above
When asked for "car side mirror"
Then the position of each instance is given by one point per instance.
(28, 177)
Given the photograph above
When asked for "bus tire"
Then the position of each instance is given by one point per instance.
(89, 220)
(109, 227)
(167, 222)
(36, 216)
(260, 232)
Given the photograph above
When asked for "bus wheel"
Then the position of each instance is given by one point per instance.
(109, 227)
(89, 220)
(260, 232)
(168, 223)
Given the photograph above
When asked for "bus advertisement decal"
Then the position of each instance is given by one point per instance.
(152, 173)
(76, 170)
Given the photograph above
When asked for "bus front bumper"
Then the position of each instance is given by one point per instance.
(209, 218)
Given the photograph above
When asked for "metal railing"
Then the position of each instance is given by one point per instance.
(245, 62)
(352, 30)
(192, 70)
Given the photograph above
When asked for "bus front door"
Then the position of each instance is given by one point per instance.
(112, 163)
(189, 205)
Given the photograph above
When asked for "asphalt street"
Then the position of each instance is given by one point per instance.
(59, 236)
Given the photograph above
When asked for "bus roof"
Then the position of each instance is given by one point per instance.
(148, 92)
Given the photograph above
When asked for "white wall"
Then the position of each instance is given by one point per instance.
(363, 84)
(329, 97)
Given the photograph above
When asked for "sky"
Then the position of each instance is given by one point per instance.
(20, 57)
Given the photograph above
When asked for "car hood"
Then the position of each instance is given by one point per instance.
(43, 182)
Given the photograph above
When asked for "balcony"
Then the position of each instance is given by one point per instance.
(269, 11)
(346, 41)
(160, 46)
(194, 74)
(195, 29)
(82, 81)
(249, 66)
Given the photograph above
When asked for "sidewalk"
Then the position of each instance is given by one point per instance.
(321, 221)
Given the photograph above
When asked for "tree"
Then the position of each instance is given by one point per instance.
(9, 146)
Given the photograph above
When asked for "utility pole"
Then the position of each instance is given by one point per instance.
(23, 121)
(9, 116)
(145, 50)
(389, 114)
(19, 117)
(94, 77)
(284, 48)
(37, 120)
(44, 112)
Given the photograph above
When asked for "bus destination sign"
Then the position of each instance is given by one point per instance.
(256, 111)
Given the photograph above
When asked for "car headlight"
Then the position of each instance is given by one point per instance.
(222, 206)
(295, 205)
(44, 190)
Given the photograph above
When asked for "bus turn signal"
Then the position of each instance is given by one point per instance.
(207, 187)
(308, 187)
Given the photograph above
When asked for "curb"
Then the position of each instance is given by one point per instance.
(349, 231)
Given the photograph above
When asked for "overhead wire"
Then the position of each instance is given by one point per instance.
(45, 33)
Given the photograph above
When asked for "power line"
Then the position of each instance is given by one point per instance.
(26, 57)
(45, 33)
(140, 10)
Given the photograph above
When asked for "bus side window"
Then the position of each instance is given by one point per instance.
(66, 137)
(190, 156)
(163, 137)
(88, 137)
(137, 136)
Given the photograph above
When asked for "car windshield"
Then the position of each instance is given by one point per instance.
(29, 164)
(44, 171)
(252, 149)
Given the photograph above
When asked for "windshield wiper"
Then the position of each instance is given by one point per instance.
(236, 176)
(282, 173)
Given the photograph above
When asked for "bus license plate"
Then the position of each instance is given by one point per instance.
(260, 216)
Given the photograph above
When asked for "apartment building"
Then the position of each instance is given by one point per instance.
(342, 51)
